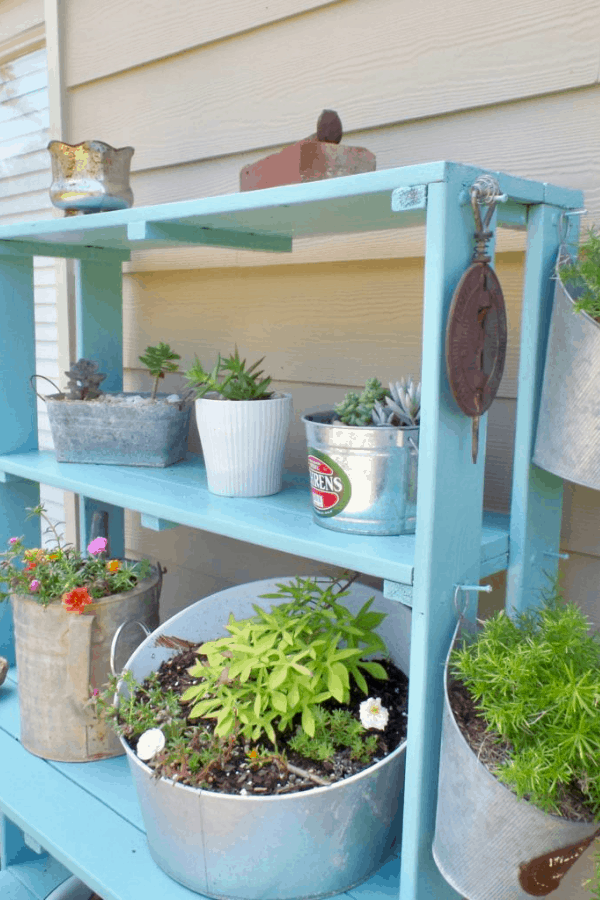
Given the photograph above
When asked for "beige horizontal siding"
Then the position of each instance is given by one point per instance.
(17, 17)
(168, 29)
(371, 61)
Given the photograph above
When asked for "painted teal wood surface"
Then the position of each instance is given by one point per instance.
(99, 819)
(283, 521)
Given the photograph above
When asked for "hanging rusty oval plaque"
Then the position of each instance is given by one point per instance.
(476, 339)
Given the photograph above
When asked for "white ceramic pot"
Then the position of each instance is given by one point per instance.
(243, 442)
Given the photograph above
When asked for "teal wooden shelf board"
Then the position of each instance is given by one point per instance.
(282, 522)
(86, 815)
(338, 205)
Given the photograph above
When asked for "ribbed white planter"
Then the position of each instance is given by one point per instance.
(243, 442)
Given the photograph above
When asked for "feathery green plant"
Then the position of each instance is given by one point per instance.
(536, 681)
(333, 729)
(584, 275)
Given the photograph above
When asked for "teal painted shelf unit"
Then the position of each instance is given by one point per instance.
(83, 819)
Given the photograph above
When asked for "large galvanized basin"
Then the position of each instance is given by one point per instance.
(306, 845)
(488, 844)
(363, 480)
(62, 657)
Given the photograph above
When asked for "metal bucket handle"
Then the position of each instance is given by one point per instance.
(41, 396)
(113, 645)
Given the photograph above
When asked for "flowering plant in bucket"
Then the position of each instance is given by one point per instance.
(63, 574)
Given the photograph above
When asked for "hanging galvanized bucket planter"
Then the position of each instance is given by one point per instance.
(363, 480)
(568, 432)
(488, 844)
(62, 657)
(310, 844)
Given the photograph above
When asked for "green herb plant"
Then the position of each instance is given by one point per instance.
(399, 404)
(584, 275)
(334, 729)
(159, 360)
(536, 681)
(282, 664)
(230, 378)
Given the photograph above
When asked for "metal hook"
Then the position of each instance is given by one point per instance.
(113, 645)
(485, 588)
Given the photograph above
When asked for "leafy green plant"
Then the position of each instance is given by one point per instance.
(399, 404)
(333, 729)
(62, 573)
(536, 682)
(230, 378)
(284, 663)
(584, 275)
(158, 360)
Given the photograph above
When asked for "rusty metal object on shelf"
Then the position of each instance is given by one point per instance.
(319, 156)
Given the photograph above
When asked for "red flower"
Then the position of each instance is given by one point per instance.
(75, 600)
(30, 566)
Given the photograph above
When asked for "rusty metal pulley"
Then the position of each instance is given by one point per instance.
(476, 332)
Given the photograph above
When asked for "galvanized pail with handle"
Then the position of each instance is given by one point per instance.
(488, 844)
(62, 657)
(310, 844)
(363, 480)
(568, 432)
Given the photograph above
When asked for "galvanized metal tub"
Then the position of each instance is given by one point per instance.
(62, 657)
(132, 434)
(488, 844)
(306, 845)
(363, 480)
(568, 432)
(90, 177)
(243, 443)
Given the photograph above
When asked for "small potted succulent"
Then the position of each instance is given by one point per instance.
(519, 788)
(128, 429)
(568, 437)
(67, 608)
(269, 738)
(243, 426)
(363, 460)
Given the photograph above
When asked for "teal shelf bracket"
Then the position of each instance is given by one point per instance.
(9, 478)
(154, 523)
(401, 592)
(174, 233)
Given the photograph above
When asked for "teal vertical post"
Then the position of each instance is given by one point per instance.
(18, 414)
(99, 318)
(536, 505)
(448, 538)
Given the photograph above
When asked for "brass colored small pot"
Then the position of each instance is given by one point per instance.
(90, 177)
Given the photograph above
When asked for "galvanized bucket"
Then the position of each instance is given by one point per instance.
(311, 844)
(243, 443)
(568, 432)
(363, 480)
(62, 657)
(136, 434)
(488, 844)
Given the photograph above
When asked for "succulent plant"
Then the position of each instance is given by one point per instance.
(397, 405)
(158, 360)
(230, 378)
(84, 380)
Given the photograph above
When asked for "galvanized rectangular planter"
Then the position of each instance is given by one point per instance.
(363, 480)
(135, 434)
(310, 844)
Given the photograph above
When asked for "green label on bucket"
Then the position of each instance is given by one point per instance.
(330, 486)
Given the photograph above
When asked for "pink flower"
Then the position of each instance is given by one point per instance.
(97, 545)
(13, 540)
(34, 585)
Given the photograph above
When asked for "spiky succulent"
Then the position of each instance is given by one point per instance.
(397, 405)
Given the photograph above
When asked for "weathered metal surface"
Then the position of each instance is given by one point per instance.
(90, 176)
(310, 844)
(487, 842)
(363, 480)
(62, 657)
(567, 440)
(133, 434)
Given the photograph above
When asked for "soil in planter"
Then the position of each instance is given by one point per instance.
(492, 751)
(237, 773)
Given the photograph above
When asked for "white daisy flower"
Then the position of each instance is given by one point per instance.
(150, 743)
(373, 714)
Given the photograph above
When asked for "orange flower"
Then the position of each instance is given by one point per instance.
(75, 600)
(253, 754)
(113, 565)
